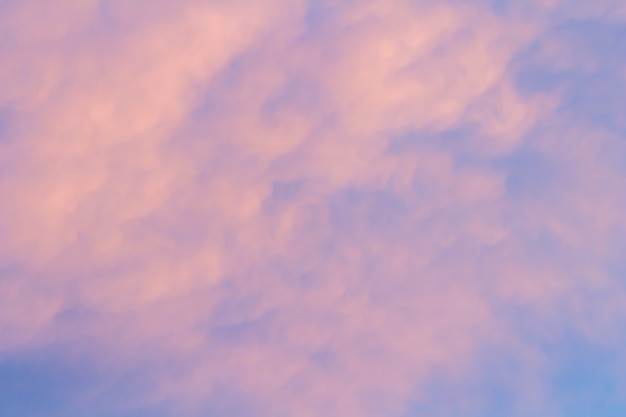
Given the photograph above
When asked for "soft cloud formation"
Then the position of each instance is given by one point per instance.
(322, 208)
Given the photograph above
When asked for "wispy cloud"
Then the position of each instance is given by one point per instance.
(328, 208)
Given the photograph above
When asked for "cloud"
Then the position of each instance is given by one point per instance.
(305, 209)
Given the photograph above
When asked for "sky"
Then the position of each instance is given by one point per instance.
(305, 208)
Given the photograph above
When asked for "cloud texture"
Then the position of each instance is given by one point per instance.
(312, 208)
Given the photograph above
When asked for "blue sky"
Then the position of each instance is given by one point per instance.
(312, 208)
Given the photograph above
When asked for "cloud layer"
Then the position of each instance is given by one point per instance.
(323, 208)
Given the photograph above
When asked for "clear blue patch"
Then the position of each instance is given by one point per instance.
(284, 192)
(592, 86)
(589, 380)
(531, 173)
(50, 384)
(319, 18)
(580, 378)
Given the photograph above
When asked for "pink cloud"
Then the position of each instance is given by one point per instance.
(143, 186)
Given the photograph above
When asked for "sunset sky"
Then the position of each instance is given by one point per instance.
(312, 208)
